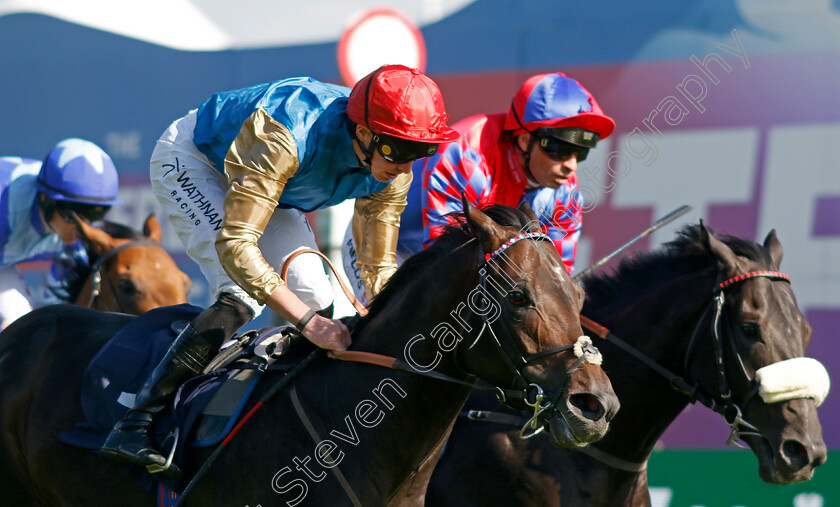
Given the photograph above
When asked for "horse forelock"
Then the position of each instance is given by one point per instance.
(643, 271)
(120, 231)
(70, 288)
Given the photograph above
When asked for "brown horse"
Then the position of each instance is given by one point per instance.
(494, 304)
(128, 273)
(661, 304)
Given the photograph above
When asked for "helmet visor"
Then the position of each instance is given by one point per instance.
(401, 151)
(87, 212)
(558, 149)
(572, 135)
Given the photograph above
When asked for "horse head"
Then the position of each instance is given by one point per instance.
(131, 274)
(533, 340)
(768, 390)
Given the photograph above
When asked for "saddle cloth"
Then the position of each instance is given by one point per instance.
(205, 408)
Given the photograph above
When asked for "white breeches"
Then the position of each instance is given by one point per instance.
(192, 191)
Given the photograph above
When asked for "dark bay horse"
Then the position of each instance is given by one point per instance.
(128, 272)
(661, 304)
(494, 304)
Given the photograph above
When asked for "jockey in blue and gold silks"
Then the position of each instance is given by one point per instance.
(235, 177)
(528, 154)
(38, 200)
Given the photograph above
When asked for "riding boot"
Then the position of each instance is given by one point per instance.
(131, 438)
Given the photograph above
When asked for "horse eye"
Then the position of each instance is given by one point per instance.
(517, 297)
(750, 330)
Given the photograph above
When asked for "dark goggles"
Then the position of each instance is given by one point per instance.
(87, 212)
(557, 149)
(401, 151)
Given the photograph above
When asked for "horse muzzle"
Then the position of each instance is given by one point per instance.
(580, 419)
(790, 455)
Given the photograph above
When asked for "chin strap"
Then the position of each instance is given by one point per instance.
(47, 207)
(526, 155)
(367, 151)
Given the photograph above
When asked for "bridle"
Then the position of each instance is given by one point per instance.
(531, 393)
(725, 404)
(96, 274)
(582, 348)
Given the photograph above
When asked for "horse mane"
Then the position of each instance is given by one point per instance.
(643, 271)
(76, 273)
(454, 235)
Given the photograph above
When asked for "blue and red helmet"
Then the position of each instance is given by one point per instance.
(79, 171)
(554, 101)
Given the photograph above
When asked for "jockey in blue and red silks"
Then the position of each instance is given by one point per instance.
(528, 154)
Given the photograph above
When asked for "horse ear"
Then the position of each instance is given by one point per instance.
(485, 229)
(99, 241)
(533, 219)
(772, 243)
(151, 228)
(723, 255)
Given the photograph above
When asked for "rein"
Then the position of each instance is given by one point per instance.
(582, 348)
(530, 393)
(725, 406)
(96, 273)
(731, 411)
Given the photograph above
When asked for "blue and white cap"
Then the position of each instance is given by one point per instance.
(79, 171)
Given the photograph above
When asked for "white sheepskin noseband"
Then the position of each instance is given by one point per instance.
(792, 379)
(584, 347)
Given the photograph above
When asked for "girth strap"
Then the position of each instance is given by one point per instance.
(317, 439)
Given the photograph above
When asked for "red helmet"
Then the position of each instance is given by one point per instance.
(397, 101)
(554, 100)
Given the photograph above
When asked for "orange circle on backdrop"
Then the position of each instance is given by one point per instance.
(379, 37)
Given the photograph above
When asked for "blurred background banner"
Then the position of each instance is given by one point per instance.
(731, 107)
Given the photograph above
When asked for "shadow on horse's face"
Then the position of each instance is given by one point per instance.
(136, 275)
(761, 325)
(539, 310)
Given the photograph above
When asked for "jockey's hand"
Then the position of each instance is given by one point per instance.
(327, 333)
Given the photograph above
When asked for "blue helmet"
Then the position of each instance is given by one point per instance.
(79, 171)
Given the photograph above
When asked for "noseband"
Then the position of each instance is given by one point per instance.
(725, 405)
(531, 393)
(96, 273)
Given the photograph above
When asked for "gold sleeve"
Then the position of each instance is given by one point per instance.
(376, 225)
(260, 161)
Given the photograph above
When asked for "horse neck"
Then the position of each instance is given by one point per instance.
(420, 307)
(420, 419)
(660, 325)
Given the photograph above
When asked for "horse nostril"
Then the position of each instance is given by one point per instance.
(588, 404)
(819, 459)
(796, 454)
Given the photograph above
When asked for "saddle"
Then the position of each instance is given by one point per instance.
(205, 408)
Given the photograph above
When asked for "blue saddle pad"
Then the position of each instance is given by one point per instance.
(119, 369)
